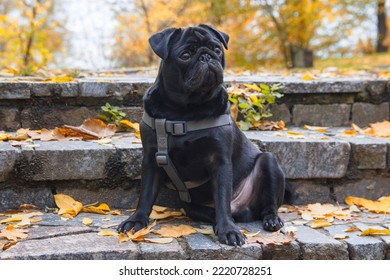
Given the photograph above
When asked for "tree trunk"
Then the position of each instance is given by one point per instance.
(301, 57)
(381, 25)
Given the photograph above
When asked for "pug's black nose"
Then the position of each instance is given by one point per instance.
(205, 58)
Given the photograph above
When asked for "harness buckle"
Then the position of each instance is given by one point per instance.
(176, 127)
(161, 158)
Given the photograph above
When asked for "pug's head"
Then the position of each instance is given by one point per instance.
(192, 62)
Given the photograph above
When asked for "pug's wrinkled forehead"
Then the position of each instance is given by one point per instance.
(162, 41)
(202, 34)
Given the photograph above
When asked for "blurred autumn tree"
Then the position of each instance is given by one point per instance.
(149, 16)
(29, 34)
(292, 28)
(273, 31)
(382, 45)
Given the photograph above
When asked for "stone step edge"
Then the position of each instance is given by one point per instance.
(310, 244)
(17, 88)
(315, 156)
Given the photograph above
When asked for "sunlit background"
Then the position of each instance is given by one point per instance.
(108, 34)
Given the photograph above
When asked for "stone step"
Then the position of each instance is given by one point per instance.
(319, 168)
(54, 238)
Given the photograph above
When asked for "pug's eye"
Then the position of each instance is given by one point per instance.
(218, 50)
(185, 56)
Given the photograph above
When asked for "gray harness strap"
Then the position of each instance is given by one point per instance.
(164, 127)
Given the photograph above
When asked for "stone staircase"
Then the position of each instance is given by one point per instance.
(320, 167)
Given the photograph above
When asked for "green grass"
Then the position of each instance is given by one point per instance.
(366, 62)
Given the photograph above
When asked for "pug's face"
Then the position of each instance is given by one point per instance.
(192, 62)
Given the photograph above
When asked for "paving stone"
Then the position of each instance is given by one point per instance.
(310, 191)
(359, 247)
(321, 115)
(10, 119)
(70, 89)
(245, 252)
(377, 89)
(122, 196)
(280, 112)
(48, 89)
(45, 232)
(8, 156)
(16, 90)
(200, 247)
(70, 160)
(72, 247)
(318, 246)
(306, 158)
(37, 118)
(44, 89)
(274, 252)
(170, 251)
(385, 251)
(365, 113)
(14, 196)
(369, 153)
(372, 188)
(297, 85)
(104, 89)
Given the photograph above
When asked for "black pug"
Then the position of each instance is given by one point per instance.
(190, 140)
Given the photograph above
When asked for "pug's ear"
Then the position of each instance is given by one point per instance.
(223, 37)
(159, 42)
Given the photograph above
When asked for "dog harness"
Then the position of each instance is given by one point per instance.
(164, 128)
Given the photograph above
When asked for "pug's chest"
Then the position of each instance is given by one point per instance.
(193, 155)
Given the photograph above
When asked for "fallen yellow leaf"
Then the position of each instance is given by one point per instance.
(291, 229)
(164, 215)
(19, 217)
(352, 229)
(249, 233)
(378, 129)
(253, 87)
(89, 130)
(65, 79)
(159, 240)
(138, 235)
(275, 238)
(101, 209)
(35, 220)
(12, 233)
(316, 128)
(87, 221)
(381, 129)
(158, 208)
(382, 205)
(107, 232)
(129, 124)
(308, 76)
(341, 236)
(307, 216)
(175, 231)
(375, 232)
(67, 205)
(205, 231)
(301, 222)
(320, 223)
(294, 134)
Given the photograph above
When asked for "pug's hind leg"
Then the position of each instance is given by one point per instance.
(260, 194)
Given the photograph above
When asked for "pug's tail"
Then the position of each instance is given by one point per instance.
(289, 195)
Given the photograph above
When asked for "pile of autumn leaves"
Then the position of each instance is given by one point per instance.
(90, 129)
(161, 231)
